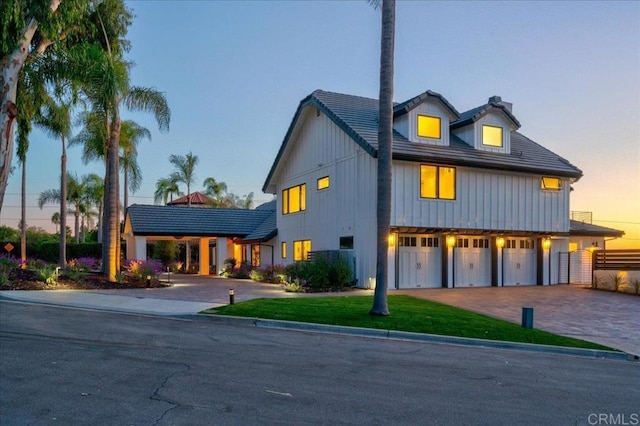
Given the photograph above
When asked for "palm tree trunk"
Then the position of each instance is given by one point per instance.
(385, 150)
(23, 212)
(63, 206)
(76, 224)
(112, 222)
(126, 190)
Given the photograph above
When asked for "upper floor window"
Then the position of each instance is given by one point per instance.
(551, 183)
(429, 127)
(294, 199)
(437, 182)
(323, 183)
(492, 136)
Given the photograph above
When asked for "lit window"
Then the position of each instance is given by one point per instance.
(551, 183)
(428, 127)
(323, 183)
(492, 135)
(438, 182)
(283, 248)
(301, 249)
(294, 199)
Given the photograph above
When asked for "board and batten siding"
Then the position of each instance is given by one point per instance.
(472, 134)
(407, 124)
(347, 208)
(485, 200)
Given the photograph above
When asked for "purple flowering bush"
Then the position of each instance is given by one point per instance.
(84, 264)
(140, 269)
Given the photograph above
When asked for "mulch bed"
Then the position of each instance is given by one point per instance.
(24, 279)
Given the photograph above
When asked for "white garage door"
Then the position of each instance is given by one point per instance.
(419, 261)
(519, 262)
(472, 262)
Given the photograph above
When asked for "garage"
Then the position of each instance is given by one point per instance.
(472, 262)
(419, 261)
(519, 262)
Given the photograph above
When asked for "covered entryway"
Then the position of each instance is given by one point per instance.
(419, 261)
(519, 262)
(472, 262)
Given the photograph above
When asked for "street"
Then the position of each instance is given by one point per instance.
(68, 366)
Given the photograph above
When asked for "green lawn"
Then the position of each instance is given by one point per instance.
(407, 314)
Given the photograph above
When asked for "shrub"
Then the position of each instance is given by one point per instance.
(84, 264)
(242, 272)
(229, 264)
(166, 252)
(47, 273)
(617, 280)
(7, 264)
(140, 269)
(320, 274)
(635, 283)
(175, 266)
(269, 274)
(296, 286)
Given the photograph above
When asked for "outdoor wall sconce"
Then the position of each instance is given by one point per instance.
(451, 241)
(392, 239)
(546, 243)
(499, 242)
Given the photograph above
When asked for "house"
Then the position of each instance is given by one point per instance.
(195, 199)
(474, 202)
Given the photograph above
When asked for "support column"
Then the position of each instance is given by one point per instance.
(221, 253)
(140, 249)
(204, 256)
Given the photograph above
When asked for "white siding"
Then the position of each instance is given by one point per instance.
(485, 200)
(472, 134)
(430, 108)
(346, 208)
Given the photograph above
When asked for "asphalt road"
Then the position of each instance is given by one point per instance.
(65, 366)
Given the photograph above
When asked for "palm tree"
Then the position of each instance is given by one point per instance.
(55, 219)
(130, 135)
(74, 196)
(215, 189)
(55, 119)
(385, 149)
(166, 189)
(184, 167)
(184, 171)
(94, 196)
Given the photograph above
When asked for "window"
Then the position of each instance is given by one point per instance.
(429, 241)
(492, 136)
(527, 244)
(407, 242)
(429, 127)
(283, 249)
(323, 183)
(301, 249)
(346, 243)
(462, 243)
(551, 183)
(438, 182)
(511, 244)
(481, 243)
(294, 199)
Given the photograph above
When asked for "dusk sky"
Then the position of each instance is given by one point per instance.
(234, 73)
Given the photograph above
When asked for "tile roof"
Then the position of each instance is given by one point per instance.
(406, 106)
(358, 117)
(577, 228)
(476, 113)
(147, 220)
(196, 198)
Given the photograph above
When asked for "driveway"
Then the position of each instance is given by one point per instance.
(571, 310)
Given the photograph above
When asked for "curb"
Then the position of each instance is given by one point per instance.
(415, 337)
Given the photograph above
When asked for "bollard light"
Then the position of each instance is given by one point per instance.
(148, 280)
(232, 295)
(527, 317)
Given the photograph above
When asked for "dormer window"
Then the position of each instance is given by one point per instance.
(492, 136)
(551, 183)
(429, 127)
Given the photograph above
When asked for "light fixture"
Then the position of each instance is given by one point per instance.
(392, 239)
(546, 243)
(451, 241)
(499, 242)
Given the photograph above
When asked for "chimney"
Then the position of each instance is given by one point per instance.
(498, 100)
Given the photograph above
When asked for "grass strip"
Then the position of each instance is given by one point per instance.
(407, 314)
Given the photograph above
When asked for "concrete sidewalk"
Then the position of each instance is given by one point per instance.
(111, 302)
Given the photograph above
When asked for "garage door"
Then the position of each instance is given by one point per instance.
(419, 261)
(472, 262)
(519, 262)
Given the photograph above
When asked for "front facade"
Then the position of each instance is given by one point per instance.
(474, 202)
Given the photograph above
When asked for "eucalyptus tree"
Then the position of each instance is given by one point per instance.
(166, 188)
(385, 150)
(29, 28)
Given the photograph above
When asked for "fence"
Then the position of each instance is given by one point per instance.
(610, 260)
(575, 267)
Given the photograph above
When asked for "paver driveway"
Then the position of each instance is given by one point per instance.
(604, 317)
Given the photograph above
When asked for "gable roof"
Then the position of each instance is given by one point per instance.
(477, 113)
(577, 228)
(358, 117)
(408, 105)
(149, 220)
(195, 197)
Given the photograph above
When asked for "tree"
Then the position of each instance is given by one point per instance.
(130, 135)
(166, 189)
(215, 190)
(74, 195)
(55, 219)
(28, 28)
(385, 150)
(94, 195)
(184, 172)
